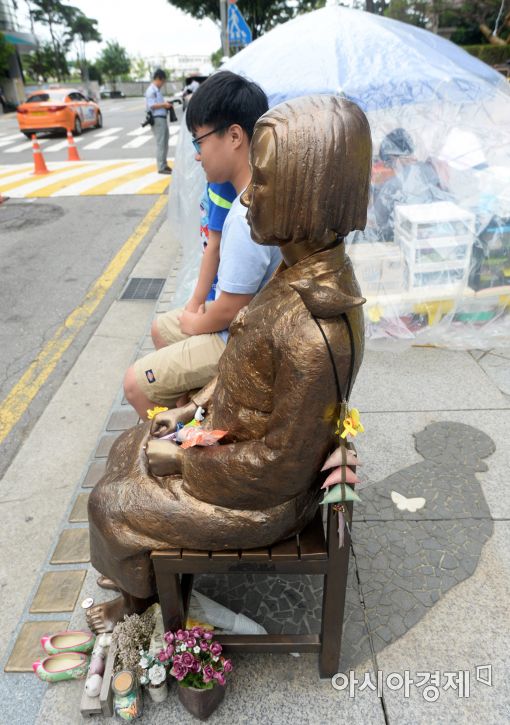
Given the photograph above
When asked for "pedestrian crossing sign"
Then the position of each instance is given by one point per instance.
(238, 29)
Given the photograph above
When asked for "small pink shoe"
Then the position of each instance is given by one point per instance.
(71, 641)
(63, 666)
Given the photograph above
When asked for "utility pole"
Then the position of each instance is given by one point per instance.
(224, 27)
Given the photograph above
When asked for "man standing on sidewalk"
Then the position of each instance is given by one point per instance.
(156, 104)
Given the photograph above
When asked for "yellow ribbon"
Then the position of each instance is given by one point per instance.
(152, 412)
(351, 423)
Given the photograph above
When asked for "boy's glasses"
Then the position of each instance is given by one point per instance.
(196, 141)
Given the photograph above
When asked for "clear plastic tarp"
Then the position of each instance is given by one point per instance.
(434, 260)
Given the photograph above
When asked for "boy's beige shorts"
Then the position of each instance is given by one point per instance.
(187, 363)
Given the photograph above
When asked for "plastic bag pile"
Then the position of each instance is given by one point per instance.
(434, 259)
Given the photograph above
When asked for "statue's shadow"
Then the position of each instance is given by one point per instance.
(403, 562)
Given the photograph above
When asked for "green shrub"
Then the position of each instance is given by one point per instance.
(490, 54)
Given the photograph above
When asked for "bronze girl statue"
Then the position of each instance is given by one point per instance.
(291, 351)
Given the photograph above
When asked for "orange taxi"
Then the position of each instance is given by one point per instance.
(58, 109)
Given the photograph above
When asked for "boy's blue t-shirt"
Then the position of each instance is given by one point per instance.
(214, 207)
(220, 197)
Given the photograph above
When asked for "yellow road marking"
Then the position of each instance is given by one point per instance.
(111, 184)
(32, 178)
(157, 187)
(18, 170)
(27, 387)
(63, 183)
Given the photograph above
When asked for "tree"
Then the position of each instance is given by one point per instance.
(6, 50)
(84, 30)
(140, 69)
(216, 58)
(476, 22)
(65, 23)
(44, 65)
(54, 15)
(113, 61)
(414, 13)
(468, 21)
(261, 15)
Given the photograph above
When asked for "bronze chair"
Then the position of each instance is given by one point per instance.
(310, 552)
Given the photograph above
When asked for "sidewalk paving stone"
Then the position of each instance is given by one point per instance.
(58, 591)
(423, 379)
(72, 547)
(105, 443)
(95, 471)
(79, 512)
(122, 420)
(497, 368)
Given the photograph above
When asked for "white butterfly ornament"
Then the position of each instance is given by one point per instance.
(407, 504)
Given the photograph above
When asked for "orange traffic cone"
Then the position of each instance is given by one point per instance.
(72, 151)
(39, 163)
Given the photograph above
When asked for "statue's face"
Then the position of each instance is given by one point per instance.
(260, 194)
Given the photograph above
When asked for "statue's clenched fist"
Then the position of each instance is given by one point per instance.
(166, 422)
(164, 457)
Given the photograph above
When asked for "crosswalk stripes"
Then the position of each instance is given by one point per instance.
(138, 131)
(61, 145)
(85, 178)
(23, 146)
(89, 142)
(7, 140)
(137, 142)
(100, 143)
(108, 132)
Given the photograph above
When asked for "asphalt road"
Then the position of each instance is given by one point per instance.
(52, 251)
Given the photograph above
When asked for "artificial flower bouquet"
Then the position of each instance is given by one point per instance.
(194, 658)
(154, 671)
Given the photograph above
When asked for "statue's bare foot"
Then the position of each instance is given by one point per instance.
(103, 617)
(105, 583)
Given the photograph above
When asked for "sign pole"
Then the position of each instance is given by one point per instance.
(224, 27)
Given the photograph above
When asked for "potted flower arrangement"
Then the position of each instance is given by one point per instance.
(198, 666)
(154, 672)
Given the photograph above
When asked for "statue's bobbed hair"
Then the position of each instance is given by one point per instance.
(322, 167)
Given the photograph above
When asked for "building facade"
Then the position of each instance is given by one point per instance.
(23, 42)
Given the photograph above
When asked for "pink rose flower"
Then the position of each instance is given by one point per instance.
(215, 649)
(191, 642)
(179, 672)
(195, 667)
(162, 656)
(197, 631)
(168, 637)
(220, 678)
(208, 635)
(178, 660)
(187, 659)
(170, 650)
(227, 665)
(208, 673)
(204, 646)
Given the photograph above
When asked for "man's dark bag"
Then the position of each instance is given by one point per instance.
(149, 119)
(172, 116)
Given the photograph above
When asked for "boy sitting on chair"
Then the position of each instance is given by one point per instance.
(221, 116)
